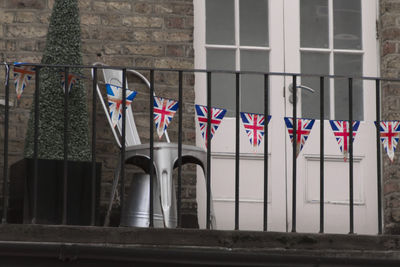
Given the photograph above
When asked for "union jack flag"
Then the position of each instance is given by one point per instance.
(22, 74)
(72, 79)
(164, 111)
(114, 96)
(303, 130)
(341, 130)
(217, 115)
(389, 133)
(254, 126)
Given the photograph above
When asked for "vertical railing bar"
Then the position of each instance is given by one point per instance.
(351, 156)
(93, 206)
(237, 146)
(208, 182)
(6, 126)
(378, 154)
(36, 145)
(321, 155)
(180, 150)
(294, 163)
(66, 116)
(151, 166)
(123, 142)
(266, 111)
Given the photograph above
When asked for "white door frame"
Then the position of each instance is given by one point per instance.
(284, 45)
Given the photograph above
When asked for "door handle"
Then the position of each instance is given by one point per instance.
(301, 87)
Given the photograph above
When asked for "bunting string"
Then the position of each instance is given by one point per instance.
(165, 109)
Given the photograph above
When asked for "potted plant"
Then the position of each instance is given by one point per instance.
(63, 47)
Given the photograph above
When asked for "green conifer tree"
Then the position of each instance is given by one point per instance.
(63, 46)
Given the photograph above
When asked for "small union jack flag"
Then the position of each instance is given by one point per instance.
(254, 125)
(389, 133)
(164, 111)
(114, 96)
(22, 74)
(303, 130)
(341, 130)
(217, 115)
(72, 79)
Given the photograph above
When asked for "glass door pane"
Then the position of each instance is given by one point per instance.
(222, 84)
(314, 63)
(252, 86)
(254, 22)
(314, 23)
(348, 64)
(347, 24)
(220, 22)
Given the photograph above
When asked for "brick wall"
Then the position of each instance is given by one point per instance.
(145, 33)
(389, 34)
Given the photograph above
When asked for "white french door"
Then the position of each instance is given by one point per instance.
(335, 37)
(294, 37)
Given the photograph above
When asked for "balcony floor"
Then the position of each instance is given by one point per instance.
(45, 245)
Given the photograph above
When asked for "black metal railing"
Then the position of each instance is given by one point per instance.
(209, 75)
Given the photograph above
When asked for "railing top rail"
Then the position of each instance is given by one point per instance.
(384, 79)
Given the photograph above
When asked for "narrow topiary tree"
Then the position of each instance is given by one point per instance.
(63, 46)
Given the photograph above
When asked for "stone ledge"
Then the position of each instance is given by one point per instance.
(98, 246)
(231, 240)
(106, 254)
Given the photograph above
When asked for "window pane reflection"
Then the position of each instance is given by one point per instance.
(222, 84)
(348, 65)
(314, 63)
(254, 22)
(347, 24)
(220, 22)
(314, 24)
(252, 86)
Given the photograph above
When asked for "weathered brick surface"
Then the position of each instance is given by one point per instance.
(390, 57)
(146, 33)
(34, 4)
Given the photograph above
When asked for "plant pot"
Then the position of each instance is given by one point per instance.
(50, 188)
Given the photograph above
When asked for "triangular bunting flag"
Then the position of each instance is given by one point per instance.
(22, 74)
(303, 130)
(341, 130)
(164, 111)
(217, 115)
(114, 96)
(389, 134)
(254, 126)
(72, 79)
